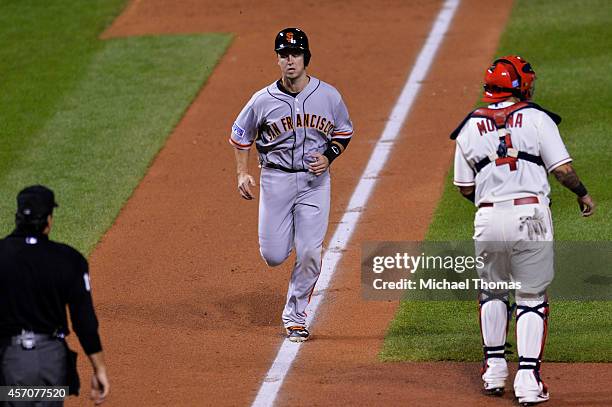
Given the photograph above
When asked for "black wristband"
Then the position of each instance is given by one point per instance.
(580, 190)
(332, 152)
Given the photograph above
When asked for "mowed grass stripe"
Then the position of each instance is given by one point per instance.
(46, 50)
(103, 135)
(567, 43)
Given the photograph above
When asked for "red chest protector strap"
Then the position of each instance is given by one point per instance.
(500, 118)
(501, 115)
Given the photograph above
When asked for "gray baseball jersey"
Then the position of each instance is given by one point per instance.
(293, 203)
(286, 129)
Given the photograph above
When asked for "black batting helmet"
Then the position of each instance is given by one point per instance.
(293, 38)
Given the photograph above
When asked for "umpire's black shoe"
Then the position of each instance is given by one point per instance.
(495, 392)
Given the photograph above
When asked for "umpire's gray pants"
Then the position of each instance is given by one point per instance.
(44, 365)
(294, 212)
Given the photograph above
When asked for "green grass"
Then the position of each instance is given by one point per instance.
(87, 116)
(567, 44)
(46, 50)
(448, 330)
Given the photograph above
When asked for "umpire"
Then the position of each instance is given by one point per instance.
(38, 278)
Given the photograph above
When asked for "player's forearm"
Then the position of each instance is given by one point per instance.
(468, 193)
(566, 175)
(242, 161)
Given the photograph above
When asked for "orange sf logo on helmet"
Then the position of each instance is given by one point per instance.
(289, 36)
(508, 76)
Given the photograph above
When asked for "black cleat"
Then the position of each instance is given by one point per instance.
(494, 392)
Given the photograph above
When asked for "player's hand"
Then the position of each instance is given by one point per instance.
(99, 387)
(318, 164)
(245, 182)
(587, 205)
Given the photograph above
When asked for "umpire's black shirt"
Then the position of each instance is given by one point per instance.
(38, 278)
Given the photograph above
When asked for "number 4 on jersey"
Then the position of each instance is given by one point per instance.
(505, 142)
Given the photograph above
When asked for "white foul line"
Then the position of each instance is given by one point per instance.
(288, 351)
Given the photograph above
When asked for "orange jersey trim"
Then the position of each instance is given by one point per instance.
(231, 140)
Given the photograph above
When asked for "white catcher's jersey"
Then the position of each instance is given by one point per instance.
(531, 131)
(287, 129)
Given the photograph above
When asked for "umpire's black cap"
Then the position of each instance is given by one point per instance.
(36, 201)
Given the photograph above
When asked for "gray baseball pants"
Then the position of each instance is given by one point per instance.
(294, 212)
(44, 365)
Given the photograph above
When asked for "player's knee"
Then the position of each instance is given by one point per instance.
(274, 261)
(273, 258)
(310, 255)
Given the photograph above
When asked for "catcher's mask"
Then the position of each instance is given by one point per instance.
(293, 38)
(509, 76)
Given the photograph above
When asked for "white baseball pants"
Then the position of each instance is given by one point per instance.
(511, 253)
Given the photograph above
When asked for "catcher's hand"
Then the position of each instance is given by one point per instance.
(536, 227)
(245, 182)
(587, 205)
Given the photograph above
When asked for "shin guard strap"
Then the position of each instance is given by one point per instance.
(503, 297)
(497, 351)
(536, 309)
(494, 351)
(529, 363)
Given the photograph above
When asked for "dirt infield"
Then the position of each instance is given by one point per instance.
(190, 314)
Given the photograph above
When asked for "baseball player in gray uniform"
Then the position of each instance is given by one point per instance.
(299, 125)
(503, 155)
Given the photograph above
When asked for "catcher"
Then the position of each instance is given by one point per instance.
(502, 158)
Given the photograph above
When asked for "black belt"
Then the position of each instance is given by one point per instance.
(280, 167)
(16, 340)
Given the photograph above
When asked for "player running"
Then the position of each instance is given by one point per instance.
(299, 125)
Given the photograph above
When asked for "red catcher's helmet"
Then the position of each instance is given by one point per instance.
(508, 76)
